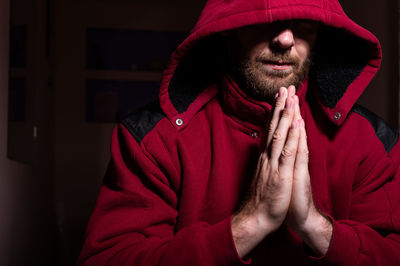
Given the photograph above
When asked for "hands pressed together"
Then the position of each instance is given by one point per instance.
(281, 190)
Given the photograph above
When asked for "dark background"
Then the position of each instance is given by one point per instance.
(68, 70)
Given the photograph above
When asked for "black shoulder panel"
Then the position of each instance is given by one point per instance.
(383, 131)
(142, 121)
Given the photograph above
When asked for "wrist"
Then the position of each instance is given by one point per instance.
(317, 233)
(251, 224)
(248, 230)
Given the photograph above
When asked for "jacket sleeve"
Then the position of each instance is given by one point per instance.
(371, 234)
(136, 212)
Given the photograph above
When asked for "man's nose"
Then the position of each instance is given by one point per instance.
(284, 39)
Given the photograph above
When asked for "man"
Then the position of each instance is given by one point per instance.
(223, 173)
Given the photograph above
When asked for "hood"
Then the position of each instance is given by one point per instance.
(345, 57)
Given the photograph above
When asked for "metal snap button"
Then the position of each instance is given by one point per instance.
(254, 135)
(337, 116)
(179, 122)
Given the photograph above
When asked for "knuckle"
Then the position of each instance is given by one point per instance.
(264, 157)
(293, 132)
(272, 126)
(305, 151)
(277, 136)
(287, 153)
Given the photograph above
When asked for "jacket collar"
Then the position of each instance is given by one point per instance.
(252, 113)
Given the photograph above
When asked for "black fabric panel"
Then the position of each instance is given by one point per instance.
(142, 121)
(197, 71)
(337, 60)
(383, 131)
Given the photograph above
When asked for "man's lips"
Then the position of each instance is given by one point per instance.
(278, 65)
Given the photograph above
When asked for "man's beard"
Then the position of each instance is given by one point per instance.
(262, 83)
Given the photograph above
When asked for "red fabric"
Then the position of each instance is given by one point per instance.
(168, 200)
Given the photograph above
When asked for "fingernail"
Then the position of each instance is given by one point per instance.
(276, 95)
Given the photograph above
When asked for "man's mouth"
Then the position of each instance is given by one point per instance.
(278, 64)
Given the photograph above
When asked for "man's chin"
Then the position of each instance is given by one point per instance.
(266, 88)
(274, 82)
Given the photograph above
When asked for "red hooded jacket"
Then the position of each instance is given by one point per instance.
(181, 167)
